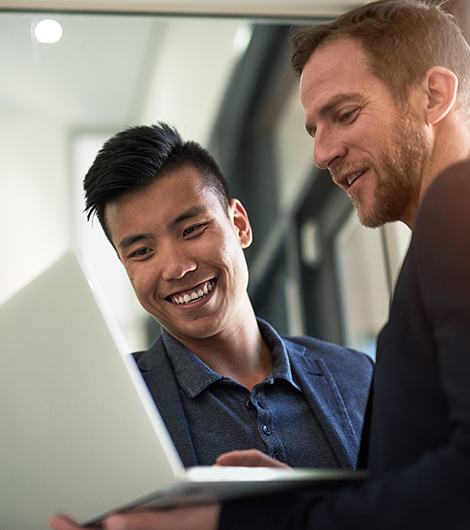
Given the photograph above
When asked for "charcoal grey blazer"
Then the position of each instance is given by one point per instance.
(334, 380)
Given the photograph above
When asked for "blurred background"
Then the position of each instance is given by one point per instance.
(219, 71)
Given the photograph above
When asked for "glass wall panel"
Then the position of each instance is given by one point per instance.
(364, 287)
(295, 152)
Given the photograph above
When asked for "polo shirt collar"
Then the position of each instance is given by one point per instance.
(194, 376)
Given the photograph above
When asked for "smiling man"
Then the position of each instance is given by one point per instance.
(386, 91)
(375, 158)
(373, 149)
(222, 379)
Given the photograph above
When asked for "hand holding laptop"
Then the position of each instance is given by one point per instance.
(191, 518)
(249, 458)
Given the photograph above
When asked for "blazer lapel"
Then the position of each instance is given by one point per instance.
(319, 387)
(158, 375)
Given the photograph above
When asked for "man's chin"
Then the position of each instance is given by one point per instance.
(368, 214)
(368, 221)
(197, 331)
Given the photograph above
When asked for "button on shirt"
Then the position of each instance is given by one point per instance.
(223, 415)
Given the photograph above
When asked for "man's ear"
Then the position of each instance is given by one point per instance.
(440, 86)
(240, 221)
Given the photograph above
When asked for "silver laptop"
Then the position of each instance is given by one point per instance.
(79, 433)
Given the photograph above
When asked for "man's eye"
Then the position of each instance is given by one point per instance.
(348, 116)
(189, 230)
(192, 229)
(141, 252)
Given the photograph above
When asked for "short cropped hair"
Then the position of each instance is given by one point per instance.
(402, 40)
(136, 157)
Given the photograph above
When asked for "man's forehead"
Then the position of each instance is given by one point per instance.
(331, 63)
(186, 179)
(337, 71)
(169, 197)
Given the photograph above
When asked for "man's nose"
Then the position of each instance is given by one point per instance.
(176, 263)
(328, 149)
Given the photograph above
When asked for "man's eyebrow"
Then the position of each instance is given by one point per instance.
(338, 100)
(330, 106)
(194, 211)
(130, 240)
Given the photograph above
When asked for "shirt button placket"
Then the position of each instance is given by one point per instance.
(267, 429)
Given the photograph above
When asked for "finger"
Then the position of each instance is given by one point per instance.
(193, 518)
(135, 521)
(249, 458)
(60, 522)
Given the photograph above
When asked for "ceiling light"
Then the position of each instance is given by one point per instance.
(242, 39)
(48, 31)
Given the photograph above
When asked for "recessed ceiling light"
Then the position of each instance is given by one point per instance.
(48, 31)
(242, 39)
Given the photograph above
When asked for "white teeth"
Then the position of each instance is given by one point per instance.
(195, 295)
(351, 178)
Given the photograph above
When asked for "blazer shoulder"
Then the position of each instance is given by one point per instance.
(152, 358)
(319, 349)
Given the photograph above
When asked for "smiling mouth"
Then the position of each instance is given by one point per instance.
(353, 176)
(200, 291)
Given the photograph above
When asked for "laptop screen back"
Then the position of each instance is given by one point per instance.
(74, 435)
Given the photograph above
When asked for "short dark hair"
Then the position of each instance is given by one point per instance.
(402, 39)
(136, 157)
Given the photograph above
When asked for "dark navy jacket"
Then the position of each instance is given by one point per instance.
(416, 440)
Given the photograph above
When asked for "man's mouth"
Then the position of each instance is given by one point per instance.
(344, 177)
(353, 176)
(198, 292)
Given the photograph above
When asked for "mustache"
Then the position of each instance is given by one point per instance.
(344, 168)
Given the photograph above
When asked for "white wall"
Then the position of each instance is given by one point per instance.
(99, 253)
(191, 72)
(34, 198)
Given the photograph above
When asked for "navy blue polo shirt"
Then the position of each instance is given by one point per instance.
(274, 417)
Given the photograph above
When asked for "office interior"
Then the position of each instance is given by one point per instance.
(220, 73)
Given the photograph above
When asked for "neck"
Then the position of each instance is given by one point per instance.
(238, 352)
(450, 145)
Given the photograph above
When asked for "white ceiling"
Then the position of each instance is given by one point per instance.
(289, 8)
(98, 74)
(90, 77)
